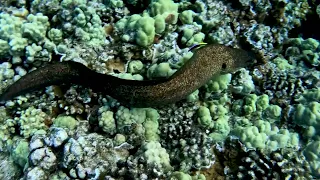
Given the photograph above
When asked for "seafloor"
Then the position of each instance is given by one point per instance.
(260, 121)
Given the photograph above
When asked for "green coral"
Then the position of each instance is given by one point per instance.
(147, 117)
(151, 125)
(308, 115)
(19, 37)
(165, 8)
(182, 59)
(262, 102)
(186, 17)
(303, 49)
(250, 103)
(36, 27)
(20, 152)
(17, 46)
(159, 24)
(219, 83)
(219, 113)
(135, 67)
(6, 74)
(80, 20)
(145, 31)
(125, 116)
(310, 95)
(10, 35)
(143, 28)
(162, 70)
(156, 156)
(221, 129)
(196, 39)
(119, 139)
(264, 136)
(247, 105)
(257, 105)
(5, 130)
(31, 52)
(192, 35)
(107, 122)
(282, 63)
(187, 35)
(129, 76)
(4, 47)
(55, 35)
(312, 154)
(178, 175)
(204, 117)
(66, 122)
(273, 112)
(58, 176)
(30, 122)
(193, 97)
(215, 119)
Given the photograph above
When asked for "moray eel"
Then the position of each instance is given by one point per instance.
(205, 63)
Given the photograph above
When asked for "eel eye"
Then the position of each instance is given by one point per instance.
(224, 66)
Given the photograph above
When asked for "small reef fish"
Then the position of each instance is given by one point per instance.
(197, 46)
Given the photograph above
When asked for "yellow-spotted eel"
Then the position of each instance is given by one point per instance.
(206, 62)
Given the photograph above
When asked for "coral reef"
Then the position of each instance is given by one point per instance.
(258, 122)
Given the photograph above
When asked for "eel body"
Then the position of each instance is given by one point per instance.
(204, 64)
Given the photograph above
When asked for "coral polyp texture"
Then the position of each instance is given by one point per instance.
(260, 121)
